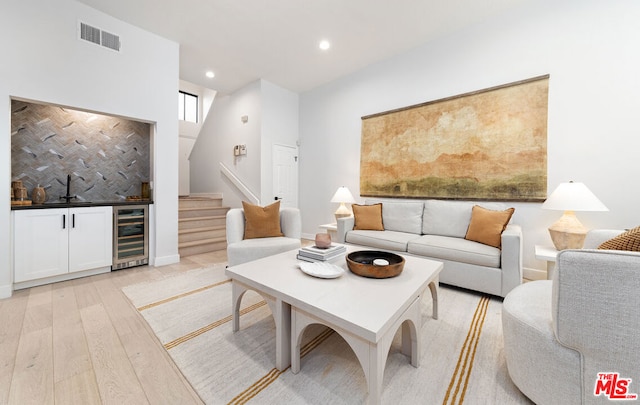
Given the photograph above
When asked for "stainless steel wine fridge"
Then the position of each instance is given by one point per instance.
(130, 236)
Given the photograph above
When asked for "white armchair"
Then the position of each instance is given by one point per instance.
(559, 334)
(240, 250)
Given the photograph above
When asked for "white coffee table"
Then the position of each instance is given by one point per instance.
(365, 312)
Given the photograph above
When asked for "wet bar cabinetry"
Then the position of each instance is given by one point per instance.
(56, 244)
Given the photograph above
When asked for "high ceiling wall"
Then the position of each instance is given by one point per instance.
(594, 91)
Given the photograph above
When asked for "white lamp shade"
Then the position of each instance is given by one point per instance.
(573, 197)
(343, 195)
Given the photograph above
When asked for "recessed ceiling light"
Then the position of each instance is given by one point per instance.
(324, 45)
(210, 74)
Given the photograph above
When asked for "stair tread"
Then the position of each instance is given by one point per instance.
(202, 242)
(202, 229)
(202, 208)
(199, 198)
(196, 250)
(202, 218)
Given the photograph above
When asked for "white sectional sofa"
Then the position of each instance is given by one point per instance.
(436, 229)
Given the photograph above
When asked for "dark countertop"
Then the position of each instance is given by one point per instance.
(73, 204)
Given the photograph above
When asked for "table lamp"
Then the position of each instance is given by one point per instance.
(342, 196)
(568, 232)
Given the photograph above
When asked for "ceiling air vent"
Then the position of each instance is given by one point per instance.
(97, 36)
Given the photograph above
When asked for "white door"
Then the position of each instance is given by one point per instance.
(285, 175)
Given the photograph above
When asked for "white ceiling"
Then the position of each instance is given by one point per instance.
(277, 40)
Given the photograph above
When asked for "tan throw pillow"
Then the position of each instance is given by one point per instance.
(261, 222)
(629, 240)
(367, 217)
(486, 226)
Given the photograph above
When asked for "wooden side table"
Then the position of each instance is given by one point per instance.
(549, 254)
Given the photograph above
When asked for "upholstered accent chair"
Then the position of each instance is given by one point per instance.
(240, 250)
(560, 334)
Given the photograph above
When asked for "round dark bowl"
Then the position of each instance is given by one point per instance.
(361, 263)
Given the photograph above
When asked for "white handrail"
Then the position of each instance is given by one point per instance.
(239, 184)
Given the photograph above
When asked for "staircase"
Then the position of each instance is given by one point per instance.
(201, 225)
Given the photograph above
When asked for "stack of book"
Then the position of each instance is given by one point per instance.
(316, 254)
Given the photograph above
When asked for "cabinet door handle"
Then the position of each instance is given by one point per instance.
(73, 220)
(64, 221)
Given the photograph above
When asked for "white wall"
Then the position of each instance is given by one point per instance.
(220, 132)
(280, 126)
(272, 119)
(589, 49)
(189, 132)
(43, 60)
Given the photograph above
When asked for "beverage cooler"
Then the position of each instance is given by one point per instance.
(130, 236)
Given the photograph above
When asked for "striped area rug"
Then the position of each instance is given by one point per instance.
(462, 359)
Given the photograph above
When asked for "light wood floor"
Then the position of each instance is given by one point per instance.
(82, 342)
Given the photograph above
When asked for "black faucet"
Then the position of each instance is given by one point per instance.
(68, 197)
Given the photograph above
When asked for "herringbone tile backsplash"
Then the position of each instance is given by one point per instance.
(107, 157)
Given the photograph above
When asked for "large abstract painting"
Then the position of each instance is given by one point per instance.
(485, 145)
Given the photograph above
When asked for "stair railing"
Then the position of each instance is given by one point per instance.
(239, 184)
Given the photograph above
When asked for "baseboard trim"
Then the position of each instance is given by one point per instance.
(534, 274)
(207, 195)
(309, 236)
(165, 260)
(6, 291)
(61, 277)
